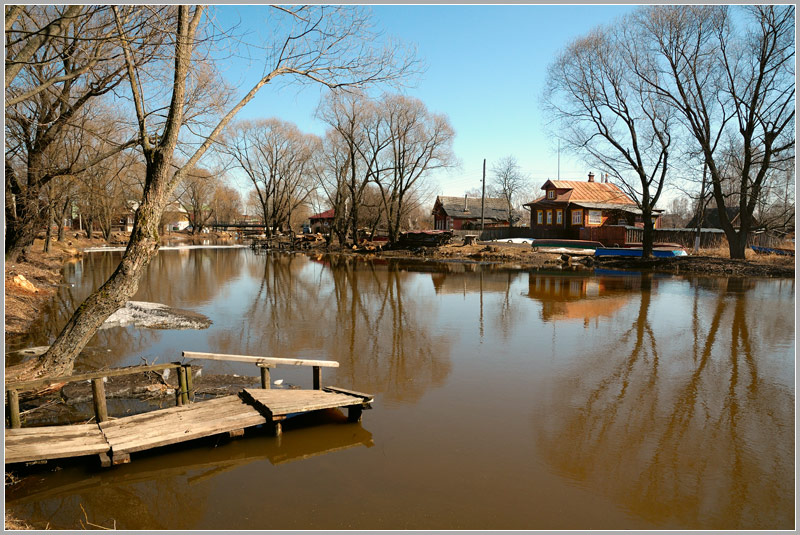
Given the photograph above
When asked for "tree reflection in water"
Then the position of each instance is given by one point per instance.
(344, 309)
(681, 427)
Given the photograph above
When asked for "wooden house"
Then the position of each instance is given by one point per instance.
(570, 209)
(464, 213)
(322, 222)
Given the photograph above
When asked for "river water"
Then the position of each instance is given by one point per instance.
(503, 399)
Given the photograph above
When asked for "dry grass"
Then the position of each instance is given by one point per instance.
(751, 256)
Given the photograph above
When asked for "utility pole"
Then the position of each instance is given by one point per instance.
(483, 192)
(559, 159)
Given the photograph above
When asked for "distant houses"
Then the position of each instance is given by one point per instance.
(464, 213)
(572, 209)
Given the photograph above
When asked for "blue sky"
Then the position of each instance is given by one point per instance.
(486, 71)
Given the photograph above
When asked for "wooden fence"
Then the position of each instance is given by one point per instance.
(620, 234)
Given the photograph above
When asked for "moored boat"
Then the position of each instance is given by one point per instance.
(637, 252)
(585, 245)
(772, 250)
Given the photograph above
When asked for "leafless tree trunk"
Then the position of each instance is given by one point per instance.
(332, 46)
(728, 84)
(606, 114)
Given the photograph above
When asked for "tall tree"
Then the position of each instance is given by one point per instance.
(60, 59)
(609, 116)
(509, 182)
(420, 142)
(734, 89)
(333, 46)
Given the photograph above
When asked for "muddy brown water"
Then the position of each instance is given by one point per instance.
(504, 399)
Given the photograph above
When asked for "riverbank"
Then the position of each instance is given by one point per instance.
(31, 283)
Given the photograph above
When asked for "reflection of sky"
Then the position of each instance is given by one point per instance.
(482, 403)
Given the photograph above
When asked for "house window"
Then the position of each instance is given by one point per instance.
(549, 217)
(558, 217)
(577, 217)
(551, 194)
(595, 217)
(539, 217)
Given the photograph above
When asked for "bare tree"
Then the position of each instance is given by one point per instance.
(195, 195)
(276, 157)
(227, 203)
(347, 114)
(734, 89)
(509, 182)
(58, 60)
(607, 114)
(420, 142)
(333, 46)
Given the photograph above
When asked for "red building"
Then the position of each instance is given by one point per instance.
(570, 209)
(457, 213)
(322, 222)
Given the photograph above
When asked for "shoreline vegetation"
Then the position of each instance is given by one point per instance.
(33, 281)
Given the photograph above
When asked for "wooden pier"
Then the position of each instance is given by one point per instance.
(113, 440)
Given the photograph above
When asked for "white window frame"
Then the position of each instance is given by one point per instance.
(577, 217)
(551, 194)
(539, 217)
(559, 217)
(549, 217)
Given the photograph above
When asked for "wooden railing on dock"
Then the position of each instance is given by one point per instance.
(265, 363)
(13, 389)
(183, 371)
(114, 439)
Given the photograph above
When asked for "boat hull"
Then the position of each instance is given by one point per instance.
(637, 252)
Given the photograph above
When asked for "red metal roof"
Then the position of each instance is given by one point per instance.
(576, 191)
(328, 214)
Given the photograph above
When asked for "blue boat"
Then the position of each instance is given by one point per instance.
(772, 250)
(637, 251)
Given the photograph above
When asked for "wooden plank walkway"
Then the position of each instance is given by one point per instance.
(114, 440)
(54, 442)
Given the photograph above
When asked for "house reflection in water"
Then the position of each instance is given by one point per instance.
(470, 278)
(578, 296)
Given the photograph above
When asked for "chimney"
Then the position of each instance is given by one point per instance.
(591, 176)
(465, 203)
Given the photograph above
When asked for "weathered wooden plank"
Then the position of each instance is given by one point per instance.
(133, 443)
(170, 425)
(173, 423)
(69, 441)
(367, 397)
(202, 405)
(51, 429)
(271, 361)
(27, 385)
(278, 403)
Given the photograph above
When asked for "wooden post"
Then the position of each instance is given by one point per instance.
(99, 400)
(13, 409)
(354, 413)
(189, 383)
(317, 377)
(265, 378)
(184, 393)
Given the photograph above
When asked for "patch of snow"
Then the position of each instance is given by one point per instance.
(155, 316)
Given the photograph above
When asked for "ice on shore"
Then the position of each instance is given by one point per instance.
(155, 316)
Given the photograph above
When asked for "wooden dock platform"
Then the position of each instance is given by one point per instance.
(114, 439)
